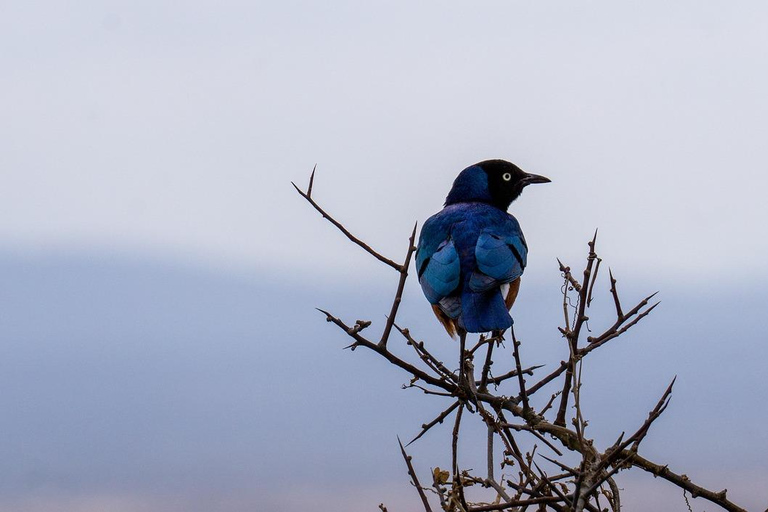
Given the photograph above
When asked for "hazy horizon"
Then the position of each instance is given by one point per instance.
(140, 385)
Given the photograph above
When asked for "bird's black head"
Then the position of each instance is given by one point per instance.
(495, 182)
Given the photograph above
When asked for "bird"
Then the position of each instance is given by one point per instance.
(471, 254)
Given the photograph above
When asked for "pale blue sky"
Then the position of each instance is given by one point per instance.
(152, 245)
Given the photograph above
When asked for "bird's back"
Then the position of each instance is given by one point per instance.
(466, 252)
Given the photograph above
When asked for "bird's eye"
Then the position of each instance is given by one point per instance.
(507, 176)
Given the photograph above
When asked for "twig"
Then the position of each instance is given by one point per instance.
(613, 332)
(549, 404)
(436, 365)
(311, 181)
(567, 271)
(458, 485)
(549, 378)
(517, 503)
(426, 426)
(572, 335)
(682, 481)
(414, 478)
(518, 368)
(540, 437)
(400, 287)
(389, 356)
(616, 451)
(340, 227)
(489, 451)
(615, 295)
(483, 385)
(513, 373)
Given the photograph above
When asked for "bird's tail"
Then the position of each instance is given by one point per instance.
(484, 311)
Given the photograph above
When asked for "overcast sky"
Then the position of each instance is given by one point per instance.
(154, 142)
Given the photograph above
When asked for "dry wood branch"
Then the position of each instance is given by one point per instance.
(594, 280)
(517, 503)
(513, 373)
(400, 288)
(458, 485)
(682, 481)
(307, 195)
(414, 478)
(435, 364)
(519, 370)
(613, 454)
(567, 272)
(528, 428)
(615, 332)
(615, 295)
(549, 378)
(483, 384)
(427, 426)
(572, 335)
(389, 356)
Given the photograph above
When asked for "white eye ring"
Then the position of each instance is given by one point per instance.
(507, 176)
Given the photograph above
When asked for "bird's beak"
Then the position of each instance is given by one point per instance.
(535, 178)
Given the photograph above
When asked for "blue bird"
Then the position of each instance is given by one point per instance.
(471, 254)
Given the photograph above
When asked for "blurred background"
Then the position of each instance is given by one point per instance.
(159, 346)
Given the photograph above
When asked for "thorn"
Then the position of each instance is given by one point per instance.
(328, 316)
(402, 448)
(311, 181)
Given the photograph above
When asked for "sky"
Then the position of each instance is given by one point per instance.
(160, 346)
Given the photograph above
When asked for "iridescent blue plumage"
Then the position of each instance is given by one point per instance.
(473, 247)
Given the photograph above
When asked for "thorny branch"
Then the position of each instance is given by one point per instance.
(572, 489)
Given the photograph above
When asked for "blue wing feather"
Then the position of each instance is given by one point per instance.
(500, 257)
(442, 272)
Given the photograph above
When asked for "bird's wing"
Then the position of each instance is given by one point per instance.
(437, 262)
(501, 255)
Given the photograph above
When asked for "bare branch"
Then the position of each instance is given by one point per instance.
(340, 227)
(549, 378)
(615, 333)
(682, 481)
(389, 356)
(311, 181)
(567, 271)
(615, 452)
(483, 384)
(575, 489)
(519, 370)
(458, 485)
(513, 373)
(435, 364)
(400, 287)
(615, 295)
(414, 478)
